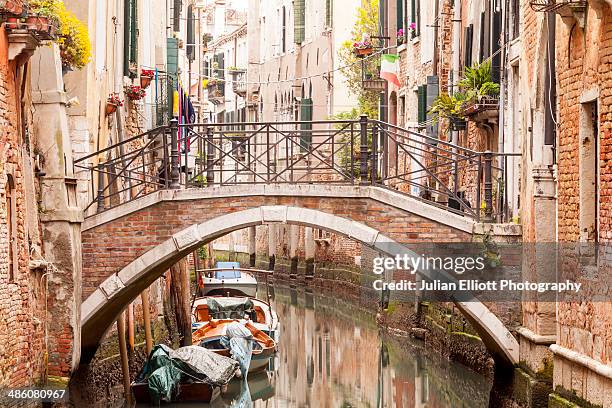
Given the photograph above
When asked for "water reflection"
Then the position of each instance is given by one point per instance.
(331, 355)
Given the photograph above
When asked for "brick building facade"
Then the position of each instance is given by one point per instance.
(22, 284)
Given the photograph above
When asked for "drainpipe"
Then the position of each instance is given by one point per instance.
(436, 42)
(456, 56)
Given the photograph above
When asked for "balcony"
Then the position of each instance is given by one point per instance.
(484, 110)
(555, 5)
(216, 91)
(569, 10)
(239, 84)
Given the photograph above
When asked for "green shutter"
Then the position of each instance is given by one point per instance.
(413, 15)
(130, 35)
(400, 14)
(299, 20)
(306, 115)
(422, 104)
(172, 56)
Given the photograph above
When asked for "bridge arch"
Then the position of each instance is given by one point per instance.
(102, 307)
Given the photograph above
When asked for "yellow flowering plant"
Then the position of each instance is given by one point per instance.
(72, 34)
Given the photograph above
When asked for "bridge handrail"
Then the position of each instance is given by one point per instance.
(323, 151)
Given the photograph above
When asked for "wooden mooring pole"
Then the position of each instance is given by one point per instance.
(125, 365)
(146, 316)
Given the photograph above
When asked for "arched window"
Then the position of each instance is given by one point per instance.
(11, 221)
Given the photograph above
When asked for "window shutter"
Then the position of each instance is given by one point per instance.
(422, 102)
(299, 20)
(130, 38)
(190, 34)
(496, 35)
(306, 115)
(176, 16)
(432, 89)
(172, 56)
(284, 31)
(468, 46)
(413, 12)
(329, 10)
(400, 14)
(483, 39)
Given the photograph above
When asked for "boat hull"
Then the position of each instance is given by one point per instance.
(233, 288)
(193, 392)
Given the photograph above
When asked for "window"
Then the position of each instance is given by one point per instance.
(422, 103)
(190, 34)
(176, 15)
(329, 13)
(130, 38)
(415, 17)
(306, 116)
(299, 23)
(11, 220)
(284, 31)
(516, 17)
(467, 49)
(589, 171)
(400, 13)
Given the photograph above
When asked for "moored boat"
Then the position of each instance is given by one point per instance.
(213, 335)
(228, 279)
(188, 374)
(259, 313)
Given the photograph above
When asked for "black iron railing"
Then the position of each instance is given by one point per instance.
(341, 152)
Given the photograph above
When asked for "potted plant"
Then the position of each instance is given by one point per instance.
(13, 6)
(146, 76)
(412, 29)
(401, 36)
(135, 92)
(478, 87)
(37, 22)
(112, 103)
(12, 23)
(362, 48)
(72, 36)
(449, 107)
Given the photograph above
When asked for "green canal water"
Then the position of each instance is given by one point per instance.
(331, 354)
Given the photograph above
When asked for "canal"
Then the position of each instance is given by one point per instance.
(331, 354)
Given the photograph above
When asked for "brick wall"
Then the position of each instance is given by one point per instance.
(109, 247)
(22, 300)
(584, 62)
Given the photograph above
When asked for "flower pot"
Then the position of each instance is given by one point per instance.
(145, 81)
(110, 108)
(37, 23)
(14, 6)
(362, 52)
(12, 23)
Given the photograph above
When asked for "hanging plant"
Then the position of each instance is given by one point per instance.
(146, 76)
(72, 34)
(363, 48)
(135, 92)
(113, 102)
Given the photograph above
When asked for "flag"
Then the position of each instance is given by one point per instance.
(389, 68)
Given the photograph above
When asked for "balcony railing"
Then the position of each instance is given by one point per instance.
(554, 5)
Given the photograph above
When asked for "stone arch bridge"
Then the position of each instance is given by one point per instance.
(157, 196)
(126, 248)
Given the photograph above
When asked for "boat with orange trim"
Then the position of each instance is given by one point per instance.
(210, 334)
